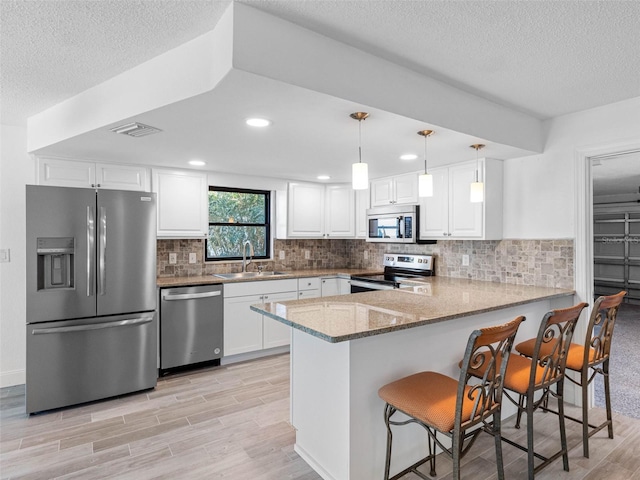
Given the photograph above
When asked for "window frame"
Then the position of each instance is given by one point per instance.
(266, 225)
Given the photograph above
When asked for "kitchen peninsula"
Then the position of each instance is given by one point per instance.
(344, 348)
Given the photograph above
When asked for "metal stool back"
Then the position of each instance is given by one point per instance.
(440, 404)
(595, 360)
(532, 380)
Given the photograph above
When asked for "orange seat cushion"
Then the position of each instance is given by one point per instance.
(575, 356)
(429, 397)
(517, 375)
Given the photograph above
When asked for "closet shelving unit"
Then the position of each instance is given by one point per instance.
(616, 250)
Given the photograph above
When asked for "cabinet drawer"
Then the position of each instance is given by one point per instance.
(312, 283)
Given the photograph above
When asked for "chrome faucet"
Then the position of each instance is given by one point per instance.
(244, 254)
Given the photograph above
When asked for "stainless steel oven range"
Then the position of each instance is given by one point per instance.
(398, 267)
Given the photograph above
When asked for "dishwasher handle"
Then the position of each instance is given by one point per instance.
(190, 296)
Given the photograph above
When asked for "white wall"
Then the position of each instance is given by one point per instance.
(16, 170)
(540, 190)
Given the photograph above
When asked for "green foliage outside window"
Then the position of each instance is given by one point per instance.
(236, 215)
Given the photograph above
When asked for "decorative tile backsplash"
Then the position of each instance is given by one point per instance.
(547, 263)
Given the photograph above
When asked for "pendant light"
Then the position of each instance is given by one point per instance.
(425, 180)
(359, 170)
(477, 187)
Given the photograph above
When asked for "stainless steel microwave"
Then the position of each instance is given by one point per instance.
(392, 224)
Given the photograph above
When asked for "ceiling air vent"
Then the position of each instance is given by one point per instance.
(135, 129)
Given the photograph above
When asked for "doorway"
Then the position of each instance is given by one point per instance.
(616, 267)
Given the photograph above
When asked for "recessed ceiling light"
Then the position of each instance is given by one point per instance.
(258, 122)
(197, 163)
(323, 177)
(408, 156)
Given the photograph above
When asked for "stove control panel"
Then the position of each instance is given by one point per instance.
(413, 261)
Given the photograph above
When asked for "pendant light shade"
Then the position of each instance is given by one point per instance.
(425, 180)
(360, 176)
(476, 192)
(360, 170)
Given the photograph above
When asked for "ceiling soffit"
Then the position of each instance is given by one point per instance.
(246, 39)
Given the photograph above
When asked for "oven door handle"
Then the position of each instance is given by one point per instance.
(371, 285)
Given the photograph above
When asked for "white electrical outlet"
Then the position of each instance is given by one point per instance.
(366, 254)
(281, 255)
(307, 254)
(173, 258)
(192, 258)
(5, 255)
(465, 260)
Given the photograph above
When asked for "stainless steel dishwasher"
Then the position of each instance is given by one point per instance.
(191, 325)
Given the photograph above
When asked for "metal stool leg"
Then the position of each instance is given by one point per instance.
(388, 411)
(585, 412)
(607, 397)
(563, 432)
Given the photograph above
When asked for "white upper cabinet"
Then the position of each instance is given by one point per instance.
(397, 190)
(305, 215)
(449, 214)
(340, 212)
(183, 207)
(59, 172)
(320, 211)
(363, 200)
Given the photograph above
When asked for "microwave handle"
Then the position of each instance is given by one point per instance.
(400, 226)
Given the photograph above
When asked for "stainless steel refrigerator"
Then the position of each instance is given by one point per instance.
(91, 295)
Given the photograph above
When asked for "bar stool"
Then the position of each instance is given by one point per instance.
(534, 377)
(589, 362)
(440, 404)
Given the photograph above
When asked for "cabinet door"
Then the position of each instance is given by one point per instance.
(362, 203)
(465, 218)
(182, 203)
(381, 192)
(406, 189)
(330, 287)
(434, 211)
(122, 177)
(305, 210)
(242, 326)
(344, 286)
(340, 211)
(276, 334)
(56, 172)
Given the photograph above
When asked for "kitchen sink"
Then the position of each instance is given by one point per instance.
(248, 274)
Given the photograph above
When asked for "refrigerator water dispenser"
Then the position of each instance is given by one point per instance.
(55, 262)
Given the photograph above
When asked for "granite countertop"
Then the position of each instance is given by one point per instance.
(212, 279)
(435, 299)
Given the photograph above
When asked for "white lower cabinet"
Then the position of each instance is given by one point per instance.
(309, 287)
(247, 331)
(335, 286)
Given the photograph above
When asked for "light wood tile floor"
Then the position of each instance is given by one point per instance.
(231, 422)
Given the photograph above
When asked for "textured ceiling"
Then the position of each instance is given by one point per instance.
(51, 50)
(545, 58)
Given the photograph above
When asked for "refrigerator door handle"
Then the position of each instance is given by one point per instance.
(102, 251)
(90, 249)
(189, 296)
(93, 326)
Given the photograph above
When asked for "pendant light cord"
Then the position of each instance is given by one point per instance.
(425, 154)
(477, 165)
(360, 141)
